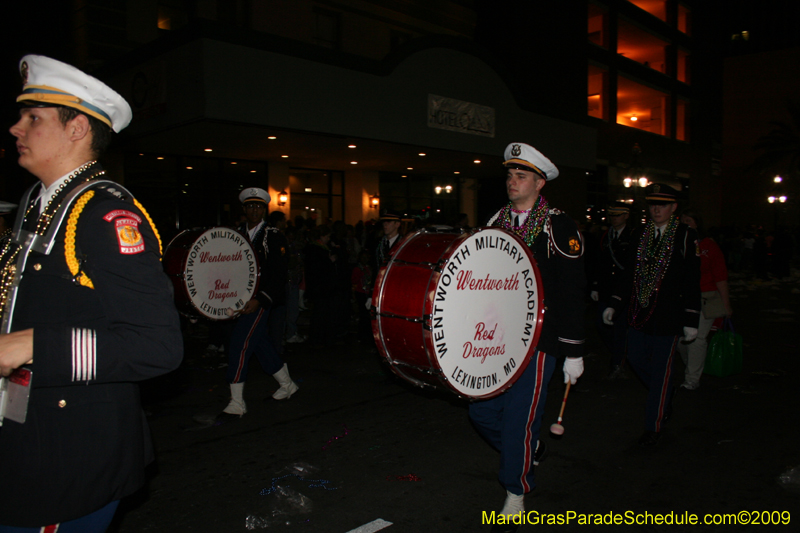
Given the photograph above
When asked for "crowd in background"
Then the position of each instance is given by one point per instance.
(332, 267)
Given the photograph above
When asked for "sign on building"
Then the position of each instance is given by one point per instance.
(456, 115)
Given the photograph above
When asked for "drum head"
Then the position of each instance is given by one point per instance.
(486, 313)
(218, 272)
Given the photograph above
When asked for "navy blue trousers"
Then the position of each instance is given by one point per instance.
(250, 337)
(511, 422)
(651, 358)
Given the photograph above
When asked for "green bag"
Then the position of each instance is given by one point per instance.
(724, 357)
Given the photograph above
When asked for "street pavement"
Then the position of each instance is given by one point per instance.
(357, 444)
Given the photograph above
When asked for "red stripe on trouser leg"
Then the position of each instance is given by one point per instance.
(530, 446)
(663, 398)
(243, 352)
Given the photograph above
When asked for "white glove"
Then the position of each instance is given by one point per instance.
(608, 316)
(594, 295)
(689, 334)
(369, 303)
(573, 369)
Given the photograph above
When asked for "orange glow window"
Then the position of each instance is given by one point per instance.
(657, 8)
(642, 107)
(597, 97)
(641, 46)
(598, 25)
(684, 20)
(684, 63)
(682, 120)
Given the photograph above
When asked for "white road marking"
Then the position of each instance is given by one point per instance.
(375, 525)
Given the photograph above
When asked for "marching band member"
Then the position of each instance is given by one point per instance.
(511, 422)
(606, 265)
(87, 312)
(249, 334)
(662, 293)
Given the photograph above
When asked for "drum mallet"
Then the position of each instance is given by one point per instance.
(557, 428)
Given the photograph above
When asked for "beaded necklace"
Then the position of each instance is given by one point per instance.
(10, 250)
(532, 227)
(652, 261)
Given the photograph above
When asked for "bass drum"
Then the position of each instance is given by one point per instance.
(215, 272)
(462, 311)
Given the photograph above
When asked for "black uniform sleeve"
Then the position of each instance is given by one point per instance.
(274, 269)
(621, 291)
(571, 286)
(691, 279)
(126, 328)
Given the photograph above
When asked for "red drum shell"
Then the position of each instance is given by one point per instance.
(181, 255)
(432, 274)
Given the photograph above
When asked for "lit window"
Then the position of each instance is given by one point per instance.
(684, 20)
(682, 120)
(657, 8)
(641, 107)
(597, 97)
(171, 18)
(598, 25)
(641, 46)
(684, 64)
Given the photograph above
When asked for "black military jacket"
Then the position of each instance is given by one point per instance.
(608, 262)
(271, 248)
(558, 251)
(85, 441)
(676, 304)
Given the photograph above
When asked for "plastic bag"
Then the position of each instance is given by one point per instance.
(724, 357)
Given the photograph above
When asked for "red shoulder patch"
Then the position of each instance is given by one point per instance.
(126, 224)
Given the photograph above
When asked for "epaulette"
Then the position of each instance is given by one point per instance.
(114, 190)
(565, 239)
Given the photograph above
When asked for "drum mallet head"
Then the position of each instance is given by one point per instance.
(558, 428)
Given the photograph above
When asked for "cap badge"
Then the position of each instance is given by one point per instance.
(23, 71)
(516, 150)
(656, 188)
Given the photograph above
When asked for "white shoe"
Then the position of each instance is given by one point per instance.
(287, 386)
(296, 338)
(690, 385)
(236, 406)
(514, 506)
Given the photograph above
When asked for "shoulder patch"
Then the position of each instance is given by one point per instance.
(565, 237)
(126, 224)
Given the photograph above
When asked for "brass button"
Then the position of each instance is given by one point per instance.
(37, 267)
(62, 403)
